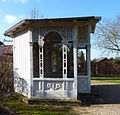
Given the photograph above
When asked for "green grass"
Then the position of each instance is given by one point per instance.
(19, 107)
(107, 79)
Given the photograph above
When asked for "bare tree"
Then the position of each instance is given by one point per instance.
(34, 14)
(108, 35)
(6, 75)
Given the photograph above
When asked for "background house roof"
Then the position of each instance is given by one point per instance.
(102, 59)
(7, 50)
(24, 23)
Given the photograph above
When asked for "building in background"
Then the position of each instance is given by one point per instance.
(7, 50)
(1, 44)
(105, 67)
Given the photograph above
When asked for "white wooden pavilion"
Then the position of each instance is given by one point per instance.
(46, 56)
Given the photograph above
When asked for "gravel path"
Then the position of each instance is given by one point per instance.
(104, 100)
(101, 109)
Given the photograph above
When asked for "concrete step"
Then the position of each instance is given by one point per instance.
(56, 102)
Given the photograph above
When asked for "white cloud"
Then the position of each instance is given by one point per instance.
(10, 19)
(21, 17)
(23, 1)
(3, 0)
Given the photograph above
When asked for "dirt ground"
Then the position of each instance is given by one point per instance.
(104, 100)
(4, 111)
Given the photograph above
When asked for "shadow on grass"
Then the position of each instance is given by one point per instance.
(4, 111)
(40, 106)
(101, 94)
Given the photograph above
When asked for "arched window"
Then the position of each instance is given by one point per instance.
(52, 55)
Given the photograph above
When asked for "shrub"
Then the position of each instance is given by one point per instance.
(6, 75)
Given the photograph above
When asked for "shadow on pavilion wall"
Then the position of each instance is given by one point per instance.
(20, 84)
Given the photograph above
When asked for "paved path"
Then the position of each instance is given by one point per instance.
(109, 92)
(104, 100)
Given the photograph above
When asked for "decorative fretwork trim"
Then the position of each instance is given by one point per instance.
(41, 61)
(83, 34)
(64, 31)
(64, 59)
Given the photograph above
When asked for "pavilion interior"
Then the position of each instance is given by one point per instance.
(53, 57)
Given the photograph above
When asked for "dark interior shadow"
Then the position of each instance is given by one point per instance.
(101, 94)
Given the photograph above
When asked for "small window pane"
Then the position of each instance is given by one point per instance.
(40, 49)
(64, 71)
(41, 71)
(64, 50)
(40, 56)
(41, 64)
(64, 56)
(64, 64)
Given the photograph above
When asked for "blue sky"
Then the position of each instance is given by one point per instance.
(12, 11)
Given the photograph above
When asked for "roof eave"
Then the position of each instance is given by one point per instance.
(19, 25)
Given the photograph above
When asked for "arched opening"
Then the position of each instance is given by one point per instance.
(52, 55)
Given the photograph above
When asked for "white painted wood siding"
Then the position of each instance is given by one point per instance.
(84, 85)
(21, 61)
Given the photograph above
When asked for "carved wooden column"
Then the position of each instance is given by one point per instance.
(88, 59)
(30, 63)
(75, 35)
(41, 58)
(64, 44)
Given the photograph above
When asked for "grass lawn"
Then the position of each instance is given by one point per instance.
(17, 106)
(107, 79)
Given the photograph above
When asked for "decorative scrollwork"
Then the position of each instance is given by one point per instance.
(58, 86)
(64, 31)
(82, 34)
(40, 41)
(49, 85)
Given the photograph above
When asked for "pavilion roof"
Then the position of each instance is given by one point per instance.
(25, 23)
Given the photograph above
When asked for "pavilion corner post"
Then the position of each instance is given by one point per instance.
(75, 32)
(31, 63)
(89, 58)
